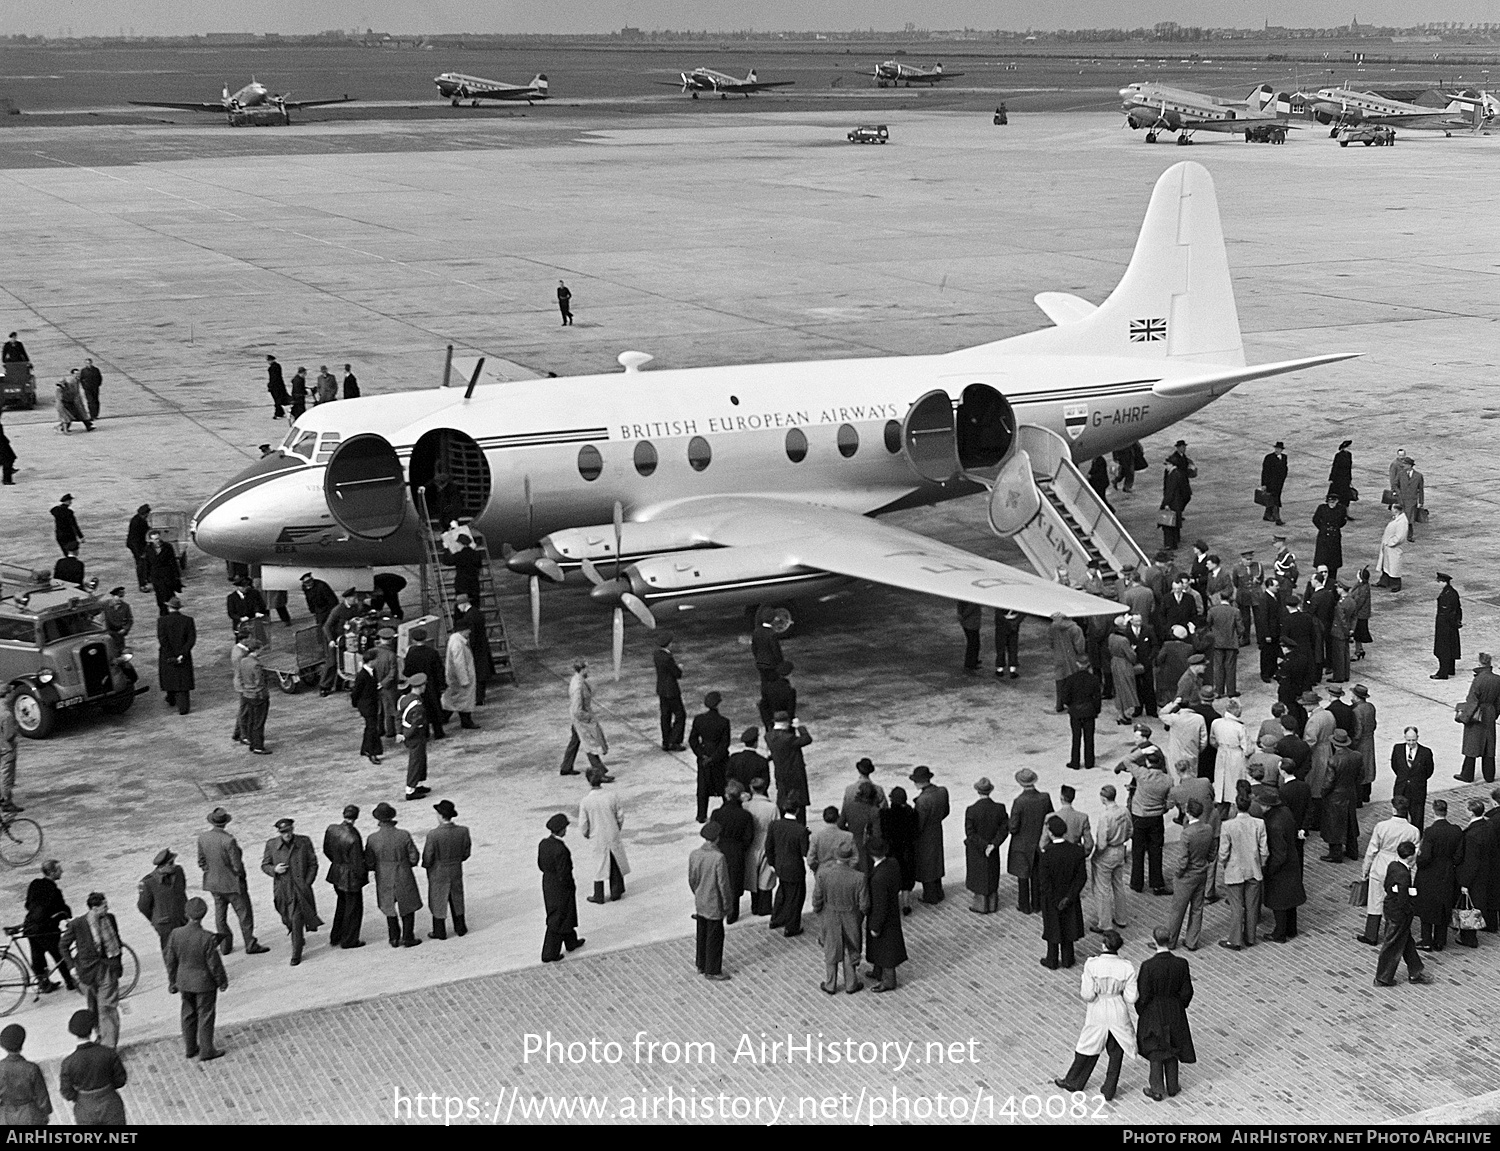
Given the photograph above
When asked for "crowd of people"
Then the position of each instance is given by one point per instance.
(290, 400)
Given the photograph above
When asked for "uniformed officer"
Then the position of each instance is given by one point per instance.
(162, 896)
(385, 679)
(1286, 563)
(411, 716)
(443, 854)
(1246, 576)
(292, 864)
(118, 618)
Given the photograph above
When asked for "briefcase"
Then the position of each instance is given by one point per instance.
(1166, 518)
(1263, 498)
(1467, 917)
(1353, 495)
(1387, 497)
(1421, 515)
(1359, 893)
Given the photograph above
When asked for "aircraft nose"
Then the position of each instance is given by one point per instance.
(228, 524)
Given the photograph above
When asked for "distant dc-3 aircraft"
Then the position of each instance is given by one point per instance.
(1158, 108)
(455, 86)
(1343, 106)
(893, 73)
(253, 95)
(760, 484)
(707, 80)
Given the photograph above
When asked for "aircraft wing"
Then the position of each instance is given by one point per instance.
(762, 85)
(793, 535)
(319, 103)
(215, 106)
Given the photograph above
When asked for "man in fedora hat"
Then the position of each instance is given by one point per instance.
(1272, 479)
(443, 854)
(986, 827)
(176, 635)
(411, 729)
(1450, 618)
(391, 855)
(669, 693)
(292, 864)
(1340, 822)
(136, 533)
(931, 805)
(344, 848)
(777, 694)
(841, 897)
(276, 386)
(243, 604)
(885, 940)
(223, 867)
(709, 741)
(559, 892)
(1366, 721)
(1481, 705)
(195, 971)
(65, 525)
(1028, 815)
(162, 895)
(91, 1077)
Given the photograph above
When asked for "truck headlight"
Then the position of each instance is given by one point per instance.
(45, 675)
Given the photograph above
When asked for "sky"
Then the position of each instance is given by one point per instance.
(180, 17)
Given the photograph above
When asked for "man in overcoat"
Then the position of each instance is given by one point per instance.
(1081, 694)
(162, 896)
(1437, 877)
(344, 848)
(1164, 989)
(176, 634)
(424, 660)
(669, 693)
(1062, 873)
(709, 742)
(885, 943)
(1283, 892)
(786, 852)
(1272, 479)
(1450, 618)
(391, 855)
(195, 971)
(842, 898)
(931, 805)
(443, 854)
(1329, 519)
(559, 891)
(785, 742)
(708, 880)
(1028, 815)
(163, 572)
(601, 821)
(292, 864)
(986, 827)
(1482, 706)
(1068, 648)
(736, 834)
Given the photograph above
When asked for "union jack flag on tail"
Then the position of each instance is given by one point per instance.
(1148, 331)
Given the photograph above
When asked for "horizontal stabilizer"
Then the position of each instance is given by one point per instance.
(1217, 383)
(1064, 307)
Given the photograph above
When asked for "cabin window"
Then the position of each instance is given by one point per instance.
(796, 445)
(590, 462)
(645, 458)
(893, 437)
(848, 440)
(699, 453)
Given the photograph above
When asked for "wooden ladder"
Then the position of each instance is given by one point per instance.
(437, 582)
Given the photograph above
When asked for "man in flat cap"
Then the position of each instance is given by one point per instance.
(559, 891)
(709, 741)
(1028, 814)
(195, 971)
(669, 692)
(347, 609)
(91, 1077)
(176, 635)
(344, 848)
(411, 729)
(422, 659)
(162, 896)
(255, 695)
(391, 855)
(1450, 618)
(443, 854)
(24, 1101)
(841, 898)
(292, 864)
(92, 941)
(224, 878)
(708, 879)
(1272, 480)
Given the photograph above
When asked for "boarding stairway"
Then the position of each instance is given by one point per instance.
(1071, 524)
(438, 591)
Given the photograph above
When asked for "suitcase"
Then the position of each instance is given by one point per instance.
(1263, 498)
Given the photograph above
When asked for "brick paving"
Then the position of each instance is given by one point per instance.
(1292, 1033)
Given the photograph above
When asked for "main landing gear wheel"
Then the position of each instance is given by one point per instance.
(1184, 139)
(1150, 137)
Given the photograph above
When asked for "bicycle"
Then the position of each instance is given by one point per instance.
(17, 978)
(20, 838)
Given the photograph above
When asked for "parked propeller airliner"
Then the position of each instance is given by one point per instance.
(1159, 108)
(707, 80)
(761, 484)
(456, 86)
(252, 95)
(1342, 106)
(893, 73)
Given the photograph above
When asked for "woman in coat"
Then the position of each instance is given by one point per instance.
(986, 827)
(1122, 667)
(1165, 988)
(861, 819)
(600, 821)
(458, 668)
(898, 822)
(1062, 876)
(1385, 837)
(1109, 988)
(1329, 519)
(1358, 604)
(1392, 548)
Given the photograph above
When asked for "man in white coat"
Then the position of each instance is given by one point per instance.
(459, 669)
(1392, 545)
(1109, 989)
(1229, 736)
(600, 820)
(1385, 838)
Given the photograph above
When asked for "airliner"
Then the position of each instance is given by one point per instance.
(456, 86)
(253, 95)
(893, 73)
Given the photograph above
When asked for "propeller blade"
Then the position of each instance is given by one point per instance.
(619, 639)
(638, 608)
(550, 570)
(530, 508)
(619, 529)
(506, 551)
(536, 610)
(591, 573)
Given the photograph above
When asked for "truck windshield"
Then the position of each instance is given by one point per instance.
(76, 623)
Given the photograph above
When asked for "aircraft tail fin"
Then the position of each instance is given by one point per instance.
(1261, 98)
(750, 79)
(1175, 300)
(539, 81)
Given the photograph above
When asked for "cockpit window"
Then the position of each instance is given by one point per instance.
(306, 442)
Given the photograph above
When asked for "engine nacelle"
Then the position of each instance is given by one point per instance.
(723, 577)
